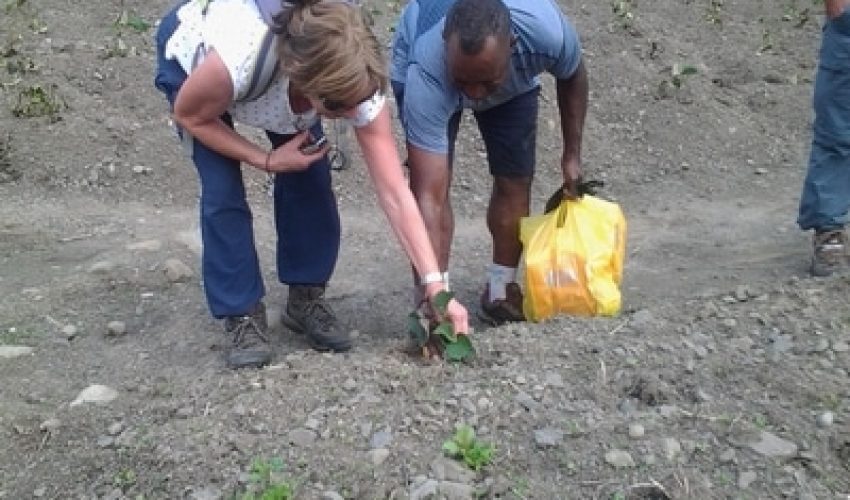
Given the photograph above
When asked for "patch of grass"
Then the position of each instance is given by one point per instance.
(794, 14)
(714, 12)
(124, 479)
(465, 447)
(8, 172)
(831, 402)
(265, 481)
(15, 336)
(520, 488)
(760, 421)
(10, 5)
(678, 75)
(624, 11)
(37, 101)
(129, 19)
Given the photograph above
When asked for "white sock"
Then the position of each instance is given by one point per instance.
(498, 277)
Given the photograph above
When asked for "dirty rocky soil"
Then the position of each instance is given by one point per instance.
(725, 375)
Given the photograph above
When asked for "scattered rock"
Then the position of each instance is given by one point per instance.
(772, 446)
(727, 457)
(176, 271)
(548, 437)
(69, 332)
(450, 470)
(381, 439)
(349, 384)
(206, 493)
(427, 489)
(526, 401)
(332, 495)
(116, 328)
(145, 246)
(14, 351)
(826, 419)
(672, 448)
(313, 424)
(650, 390)
(39, 492)
(636, 431)
(115, 428)
(456, 491)
(619, 459)
(95, 393)
(554, 379)
(746, 478)
(840, 346)
(378, 456)
(50, 425)
(102, 267)
(302, 437)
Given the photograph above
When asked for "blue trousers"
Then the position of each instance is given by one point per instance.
(826, 191)
(305, 209)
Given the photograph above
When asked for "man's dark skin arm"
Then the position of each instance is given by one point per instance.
(572, 104)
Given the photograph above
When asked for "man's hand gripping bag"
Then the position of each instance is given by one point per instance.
(573, 259)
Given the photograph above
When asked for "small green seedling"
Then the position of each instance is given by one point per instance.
(264, 483)
(37, 101)
(463, 446)
(714, 12)
(132, 20)
(422, 330)
(679, 72)
(623, 9)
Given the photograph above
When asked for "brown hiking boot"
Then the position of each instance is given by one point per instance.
(308, 312)
(249, 342)
(830, 252)
(507, 310)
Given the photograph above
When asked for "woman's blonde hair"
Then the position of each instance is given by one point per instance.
(327, 50)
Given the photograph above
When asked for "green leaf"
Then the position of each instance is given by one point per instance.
(132, 20)
(459, 350)
(138, 24)
(441, 301)
(464, 436)
(451, 448)
(447, 331)
(416, 329)
(688, 70)
(478, 455)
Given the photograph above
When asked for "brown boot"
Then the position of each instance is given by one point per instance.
(501, 311)
(308, 312)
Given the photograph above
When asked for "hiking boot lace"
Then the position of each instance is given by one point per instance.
(321, 312)
(247, 332)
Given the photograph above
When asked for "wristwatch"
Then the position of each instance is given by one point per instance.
(431, 278)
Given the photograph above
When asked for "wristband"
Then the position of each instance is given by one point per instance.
(268, 159)
(432, 278)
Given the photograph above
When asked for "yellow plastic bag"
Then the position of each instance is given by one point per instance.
(573, 259)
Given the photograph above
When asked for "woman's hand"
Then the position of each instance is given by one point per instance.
(455, 312)
(458, 316)
(291, 156)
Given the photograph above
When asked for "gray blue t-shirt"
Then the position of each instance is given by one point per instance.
(545, 41)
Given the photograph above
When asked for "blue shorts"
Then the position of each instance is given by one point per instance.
(509, 131)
